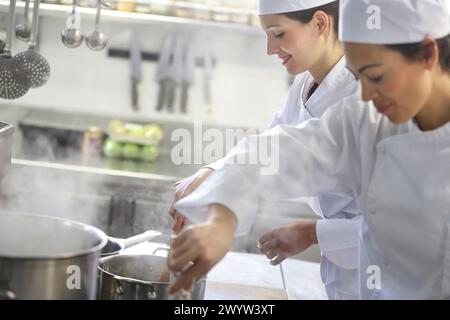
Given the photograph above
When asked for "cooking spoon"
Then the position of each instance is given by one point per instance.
(23, 31)
(97, 40)
(72, 37)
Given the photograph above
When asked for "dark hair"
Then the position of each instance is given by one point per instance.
(305, 16)
(419, 51)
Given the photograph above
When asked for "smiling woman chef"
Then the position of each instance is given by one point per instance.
(392, 151)
(304, 35)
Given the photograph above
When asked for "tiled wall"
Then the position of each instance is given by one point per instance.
(247, 88)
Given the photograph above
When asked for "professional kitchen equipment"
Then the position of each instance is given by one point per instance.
(23, 31)
(44, 257)
(188, 74)
(6, 139)
(97, 40)
(71, 36)
(37, 66)
(162, 71)
(14, 81)
(136, 277)
(207, 78)
(136, 69)
(175, 71)
(115, 245)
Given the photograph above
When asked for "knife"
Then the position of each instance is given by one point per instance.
(188, 75)
(161, 94)
(175, 71)
(136, 70)
(207, 77)
(162, 72)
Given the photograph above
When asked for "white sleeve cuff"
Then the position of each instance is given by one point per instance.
(339, 240)
(216, 165)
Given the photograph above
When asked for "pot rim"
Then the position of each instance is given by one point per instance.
(61, 256)
(104, 260)
(133, 280)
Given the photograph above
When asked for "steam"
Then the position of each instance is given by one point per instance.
(53, 184)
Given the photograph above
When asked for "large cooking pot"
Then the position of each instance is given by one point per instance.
(45, 257)
(137, 277)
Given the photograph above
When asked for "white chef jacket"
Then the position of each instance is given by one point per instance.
(337, 234)
(399, 175)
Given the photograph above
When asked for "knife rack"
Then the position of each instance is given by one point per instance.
(152, 56)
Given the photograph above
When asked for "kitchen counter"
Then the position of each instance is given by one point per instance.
(244, 276)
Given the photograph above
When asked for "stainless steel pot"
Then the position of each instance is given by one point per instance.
(48, 258)
(136, 277)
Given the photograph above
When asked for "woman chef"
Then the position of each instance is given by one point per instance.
(392, 151)
(303, 34)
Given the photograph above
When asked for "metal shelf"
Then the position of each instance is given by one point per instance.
(59, 10)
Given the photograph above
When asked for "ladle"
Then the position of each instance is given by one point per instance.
(97, 40)
(23, 31)
(72, 37)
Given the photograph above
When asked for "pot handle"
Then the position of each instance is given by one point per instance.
(143, 237)
(118, 291)
(152, 294)
(6, 293)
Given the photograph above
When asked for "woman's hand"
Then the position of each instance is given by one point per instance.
(199, 247)
(288, 240)
(184, 188)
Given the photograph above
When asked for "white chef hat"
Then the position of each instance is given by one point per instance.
(393, 21)
(284, 6)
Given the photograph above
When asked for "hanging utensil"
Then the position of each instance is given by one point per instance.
(97, 40)
(162, 72)
(188, 75)
(14, 81)
(175, 71)
(136, 69)
(37, 66)
(2, 46)
(207, 77)
(71, 36)
(23, 31)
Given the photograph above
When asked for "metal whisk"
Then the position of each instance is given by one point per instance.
(36, 65)
(14, 81)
